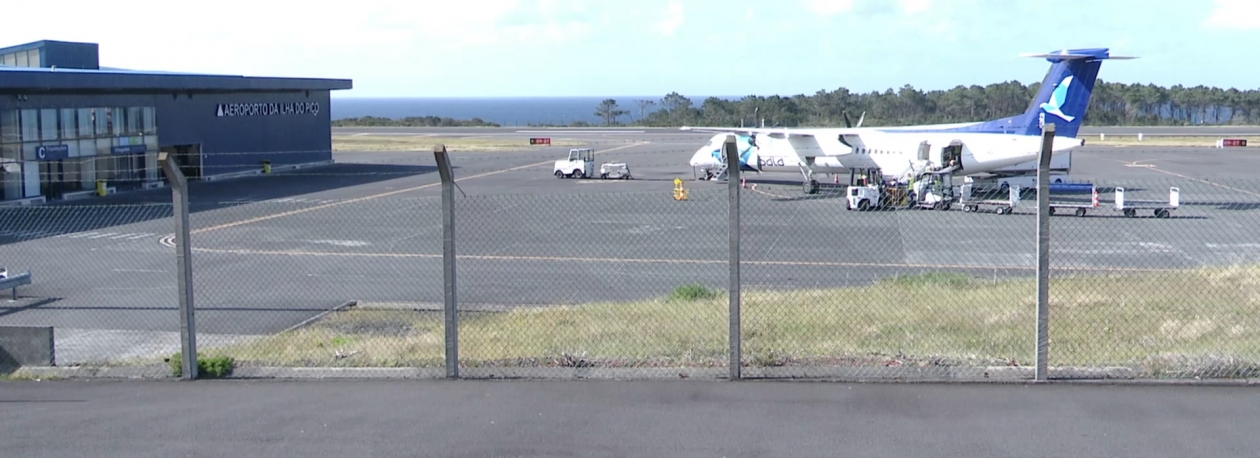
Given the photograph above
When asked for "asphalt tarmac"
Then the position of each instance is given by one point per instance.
(1223, 131)
(271, 252)
(139, 419)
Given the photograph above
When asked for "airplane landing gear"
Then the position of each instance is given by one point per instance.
(810, 187)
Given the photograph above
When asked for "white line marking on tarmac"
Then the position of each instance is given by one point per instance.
(345, 243)
(580, 132)
(390, 193)
(1156, 169)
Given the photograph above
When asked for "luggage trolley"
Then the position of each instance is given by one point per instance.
(1004, 206)
(1160, 209)
(1081, 207)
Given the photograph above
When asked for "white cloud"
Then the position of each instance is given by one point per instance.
(274, 38)
(829, 7)
(674, 18)
(1235, 14)
(915, 6)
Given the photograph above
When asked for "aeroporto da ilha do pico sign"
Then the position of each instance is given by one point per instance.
(267, 109)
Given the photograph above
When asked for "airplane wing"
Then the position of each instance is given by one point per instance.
(781, 132)
(832, 132)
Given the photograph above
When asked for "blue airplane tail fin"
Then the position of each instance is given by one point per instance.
(1063, 97)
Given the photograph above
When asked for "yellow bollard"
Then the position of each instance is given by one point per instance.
(100, 188)
(679, 192)
(266, 166)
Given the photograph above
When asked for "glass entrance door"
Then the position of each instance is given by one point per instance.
(52, 179)
(128, 171)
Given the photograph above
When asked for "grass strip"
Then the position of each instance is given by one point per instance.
(1199, 321)
(400, 143)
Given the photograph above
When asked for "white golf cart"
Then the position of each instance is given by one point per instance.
(580, 164)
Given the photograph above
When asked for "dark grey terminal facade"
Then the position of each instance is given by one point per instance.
(71, 128)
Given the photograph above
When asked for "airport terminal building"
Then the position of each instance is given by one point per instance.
(70, 128)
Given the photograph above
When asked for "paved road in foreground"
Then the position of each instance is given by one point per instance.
(676, 419)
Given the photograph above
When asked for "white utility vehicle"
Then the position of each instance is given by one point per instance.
(580, 164)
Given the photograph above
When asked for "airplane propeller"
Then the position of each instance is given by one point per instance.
(849, 124)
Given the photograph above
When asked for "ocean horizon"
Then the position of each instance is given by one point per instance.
(506, 111)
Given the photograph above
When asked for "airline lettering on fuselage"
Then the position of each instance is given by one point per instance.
(769, 161)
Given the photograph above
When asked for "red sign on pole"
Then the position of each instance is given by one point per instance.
(540, 141)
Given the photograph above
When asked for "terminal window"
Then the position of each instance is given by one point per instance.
(29, 58)
(89, 135)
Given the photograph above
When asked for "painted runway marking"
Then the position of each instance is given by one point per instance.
(671, 261)
(580, 132)
(33, 234)
(345, 243)
(753, 188)
(79, 235)
(390, 193)
(279, 201)
(1157, 169)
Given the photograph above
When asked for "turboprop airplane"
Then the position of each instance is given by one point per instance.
(901, 153)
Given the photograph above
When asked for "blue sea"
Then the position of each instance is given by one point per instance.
(514, 112)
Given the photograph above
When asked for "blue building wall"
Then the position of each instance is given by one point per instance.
(284, 128)
(60, 54)
(293, 128)
(70, 55)
(119, 120)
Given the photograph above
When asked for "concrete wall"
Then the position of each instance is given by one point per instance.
(26, 346)
(239, 140)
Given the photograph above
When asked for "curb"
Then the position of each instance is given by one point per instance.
(995, 375)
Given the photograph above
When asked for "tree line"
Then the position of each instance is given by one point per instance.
(1111, 104)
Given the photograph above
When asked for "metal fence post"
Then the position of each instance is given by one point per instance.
(1043, 251)
(187, 322)
(733, 185)
(451, 328)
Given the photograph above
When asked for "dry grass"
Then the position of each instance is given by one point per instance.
(1156, 140)
(421, 143)
(1202, 321)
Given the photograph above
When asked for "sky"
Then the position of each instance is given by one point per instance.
(548, 48)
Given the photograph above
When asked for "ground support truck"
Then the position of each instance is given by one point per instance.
(934, 190)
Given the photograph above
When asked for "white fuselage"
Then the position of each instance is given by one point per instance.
(895, 154)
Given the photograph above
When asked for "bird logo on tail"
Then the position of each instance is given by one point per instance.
(1057, 99)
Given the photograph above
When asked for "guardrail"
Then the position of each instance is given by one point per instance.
(14, 281)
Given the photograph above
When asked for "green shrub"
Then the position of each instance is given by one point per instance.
(694, 292)
(217, 367)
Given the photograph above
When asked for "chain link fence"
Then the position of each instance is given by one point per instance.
(610, 283)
